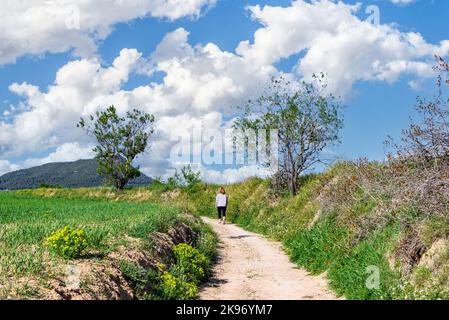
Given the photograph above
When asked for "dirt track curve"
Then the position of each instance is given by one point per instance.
(251, 267)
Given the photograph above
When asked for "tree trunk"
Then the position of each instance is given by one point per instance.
(293, 184)
(119, 185)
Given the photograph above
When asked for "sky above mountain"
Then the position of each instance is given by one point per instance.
(191, 62)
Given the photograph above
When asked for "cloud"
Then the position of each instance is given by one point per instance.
(37, 27)
(229, 176)
(334, 40)
(402, 2)
(65, 153)
(51, 116)
(175, 9)
(202, 84)
(6, 166)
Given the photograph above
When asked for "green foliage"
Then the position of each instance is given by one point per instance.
(177, 288)
(203, 202)
(191, 261)
(68, 242)
(97, 237)
(159, 221)
(108, 219)
(179, 282)
(48, 186)
(307, 119)
(28, 217)
(433, 229)
(420, 288)
(172, 183)
(139, 278)
(135, 274)
(207, 243)
(317, 248)
(191, 179)
(187, 179)
(349, 272)
(159, 186)
(120, 141)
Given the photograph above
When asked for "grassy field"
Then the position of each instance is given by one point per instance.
(370, 242)
(27, 218)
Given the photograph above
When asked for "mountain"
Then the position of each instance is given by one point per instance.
(78, 174)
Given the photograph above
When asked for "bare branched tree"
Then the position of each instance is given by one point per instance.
(428, 138)
(307, 120)
(419, 164)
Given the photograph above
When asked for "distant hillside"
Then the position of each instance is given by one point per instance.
(78, 174)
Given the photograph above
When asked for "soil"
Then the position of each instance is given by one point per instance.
(251, 267)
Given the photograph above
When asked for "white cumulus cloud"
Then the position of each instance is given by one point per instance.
(37, 27)
(64, 153)
(202, 83)
(402, 2)
(6, 166)
(334, 40)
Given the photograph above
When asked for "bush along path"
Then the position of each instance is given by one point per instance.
(252, 267)
(181, 260)
(170, 267)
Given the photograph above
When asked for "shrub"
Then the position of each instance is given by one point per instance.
(49, 186)
(68, 242)
(176, 282)
(144, 282)
(187, 180)
(135, 274)
(207, 244)
(159, 186)
(192, 262)
(171, 184)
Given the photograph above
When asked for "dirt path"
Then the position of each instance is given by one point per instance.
(252, 267)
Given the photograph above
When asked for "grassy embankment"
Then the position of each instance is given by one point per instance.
(349, 225)
(115, 228)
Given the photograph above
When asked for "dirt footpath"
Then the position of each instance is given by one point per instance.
(251, 267)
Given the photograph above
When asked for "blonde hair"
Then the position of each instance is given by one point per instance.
(222, 190)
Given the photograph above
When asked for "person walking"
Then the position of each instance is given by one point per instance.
(221, 202)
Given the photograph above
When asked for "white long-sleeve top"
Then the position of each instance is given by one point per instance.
(221, 200)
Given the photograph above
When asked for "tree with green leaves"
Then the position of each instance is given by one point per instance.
(187, 178)
(307, 120)
(190, 176)
(120, 140)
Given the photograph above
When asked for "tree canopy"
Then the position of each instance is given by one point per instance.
(307, 120)
(120, 140)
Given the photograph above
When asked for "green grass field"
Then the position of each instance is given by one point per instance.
(27, 219)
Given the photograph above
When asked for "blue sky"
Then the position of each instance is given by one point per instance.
(374, 108)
